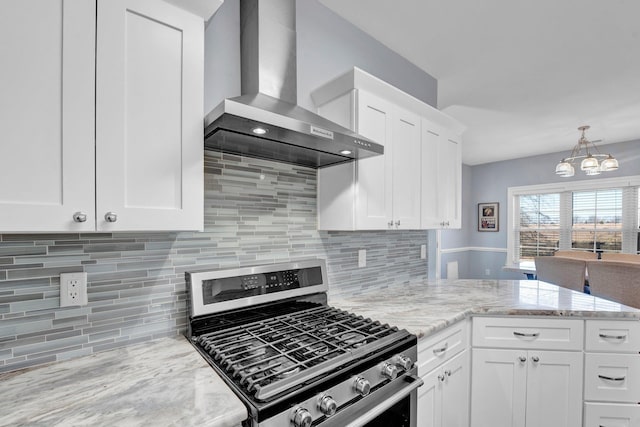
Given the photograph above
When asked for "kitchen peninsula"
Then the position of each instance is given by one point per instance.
(129, 386)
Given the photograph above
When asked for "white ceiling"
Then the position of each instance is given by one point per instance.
(522, 75)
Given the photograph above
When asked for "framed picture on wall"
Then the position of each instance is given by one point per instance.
(488, 214)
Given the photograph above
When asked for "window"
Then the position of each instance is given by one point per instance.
(539, 227)
(597, 220)
(595, 216)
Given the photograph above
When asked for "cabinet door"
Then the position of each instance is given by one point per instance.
(441, 178)
(430, 215)
(149, 101)
(449, 180)
(430, 400)
(406, 169)
(374, 188)
(554, 389)
(455, 393)
(47, 115)
(498, 388)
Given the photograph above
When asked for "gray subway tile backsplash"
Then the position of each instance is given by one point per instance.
(256, 212)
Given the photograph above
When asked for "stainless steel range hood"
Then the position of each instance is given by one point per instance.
(268, 103)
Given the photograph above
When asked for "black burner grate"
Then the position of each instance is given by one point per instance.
(270, 356)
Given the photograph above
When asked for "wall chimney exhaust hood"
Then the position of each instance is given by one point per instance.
(265, 121)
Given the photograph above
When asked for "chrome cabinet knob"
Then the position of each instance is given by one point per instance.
(390, 224)
(522, 359)
(389, 371)
(327, 405)
(441, 378)
(110, 217)
(80, 217)
(398, 223)
(301, 418)
(447, 373)
(403, 362)
(535, 359)
(362, 386)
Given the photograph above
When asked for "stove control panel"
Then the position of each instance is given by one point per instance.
(333, 400)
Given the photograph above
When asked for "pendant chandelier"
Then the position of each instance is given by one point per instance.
(589, 153)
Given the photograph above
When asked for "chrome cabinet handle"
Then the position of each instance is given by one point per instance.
(438, 351)
(80, 217)
(604, 377)
(522, 334)
(535, 359)
(522, 359)
(110, 217)
(613, 337)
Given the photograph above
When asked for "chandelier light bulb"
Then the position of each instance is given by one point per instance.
(589, 163)
(588, 154)
(609, 164)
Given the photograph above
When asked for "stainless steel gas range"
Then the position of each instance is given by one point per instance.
(292, 359)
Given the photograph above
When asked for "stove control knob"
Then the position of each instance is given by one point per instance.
(362, 386)
(389, 371)
(301, 418)
(403, 362)
(327, 405)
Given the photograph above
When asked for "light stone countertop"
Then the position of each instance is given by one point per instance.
(167, 383)
(425, 308)
(157, 383)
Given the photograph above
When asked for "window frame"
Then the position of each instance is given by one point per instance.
(513, 207)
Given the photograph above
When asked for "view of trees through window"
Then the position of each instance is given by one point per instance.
(597, 220)
(539, 224)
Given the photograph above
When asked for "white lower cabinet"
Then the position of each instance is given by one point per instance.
(612, 373)
(516, 388)
(444, 397)
(611, 415)
(443, 365)
(525, 386)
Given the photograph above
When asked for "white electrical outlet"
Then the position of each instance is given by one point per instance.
(423, 251)
(73, 289)
(362, 258)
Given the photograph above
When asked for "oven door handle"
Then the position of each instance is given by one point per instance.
(388, 403)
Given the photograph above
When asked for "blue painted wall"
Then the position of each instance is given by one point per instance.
(328, 46)
(489, 183)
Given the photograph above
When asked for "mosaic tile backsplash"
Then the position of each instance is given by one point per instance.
(256, 212)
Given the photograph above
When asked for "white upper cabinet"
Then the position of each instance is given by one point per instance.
(373, 176)
(122, 137)
(149, 109)
(47, 115)
(396, 190)
(441, 177)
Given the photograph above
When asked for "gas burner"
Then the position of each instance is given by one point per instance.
(353, 339)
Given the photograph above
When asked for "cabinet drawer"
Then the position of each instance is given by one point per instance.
(612, 377)
(614, 336)
(611, 415)
(442, 346)
(528, 333)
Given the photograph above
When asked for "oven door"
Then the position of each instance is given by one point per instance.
(394, 404)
